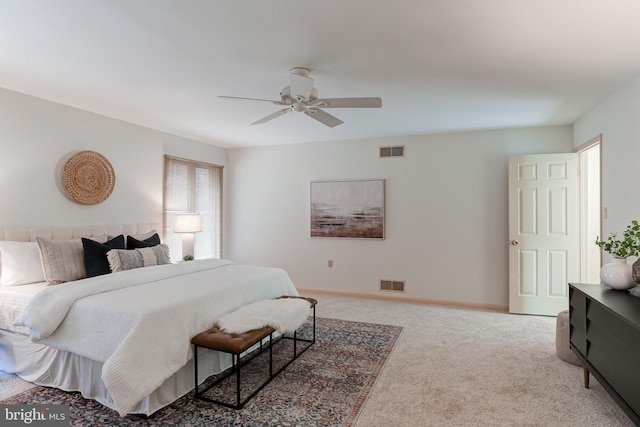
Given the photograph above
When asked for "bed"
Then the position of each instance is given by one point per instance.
(121, 338)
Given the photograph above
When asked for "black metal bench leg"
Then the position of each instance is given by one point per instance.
(236, 358)
(295, 344)
(270, 356)
(195, 364)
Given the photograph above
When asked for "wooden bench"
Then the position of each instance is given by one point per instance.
(236, 344)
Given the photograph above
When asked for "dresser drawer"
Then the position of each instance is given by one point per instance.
(578, 341)
(578, 321)
(577, 301)
(625, 335)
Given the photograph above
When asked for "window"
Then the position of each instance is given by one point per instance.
(193, 187)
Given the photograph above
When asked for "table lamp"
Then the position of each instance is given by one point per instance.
(187, 224)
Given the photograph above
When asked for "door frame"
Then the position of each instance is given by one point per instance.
(586, 215)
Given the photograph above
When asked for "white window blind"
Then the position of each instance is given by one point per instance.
(193, 187)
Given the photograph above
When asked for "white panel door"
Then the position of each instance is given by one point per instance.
(543, 232)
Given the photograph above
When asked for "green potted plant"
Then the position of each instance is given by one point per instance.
(628, 245)
(618, 274)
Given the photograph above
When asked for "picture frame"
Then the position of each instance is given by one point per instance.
(347, 209)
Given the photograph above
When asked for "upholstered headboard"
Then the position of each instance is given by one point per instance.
(29, 234)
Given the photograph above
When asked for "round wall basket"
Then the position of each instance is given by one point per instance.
(88, 178)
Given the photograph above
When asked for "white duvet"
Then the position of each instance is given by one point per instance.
(139, 322)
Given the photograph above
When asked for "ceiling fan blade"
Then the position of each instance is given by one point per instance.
(301, 86)
(323, 117)
(272, 116)
(370, 102)
(253, 99)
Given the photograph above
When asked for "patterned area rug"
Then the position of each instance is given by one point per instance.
(326, 386)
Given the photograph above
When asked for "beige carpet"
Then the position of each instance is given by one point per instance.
(10, 385)
(460, 367)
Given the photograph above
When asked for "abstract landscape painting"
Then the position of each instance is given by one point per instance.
(352, 209)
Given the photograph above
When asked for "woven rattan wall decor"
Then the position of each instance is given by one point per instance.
(88, 178)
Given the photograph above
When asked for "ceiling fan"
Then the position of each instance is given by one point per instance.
(301, 96)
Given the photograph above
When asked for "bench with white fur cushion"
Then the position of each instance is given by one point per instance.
(248, 326)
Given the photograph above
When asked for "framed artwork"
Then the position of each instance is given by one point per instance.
(352, 209)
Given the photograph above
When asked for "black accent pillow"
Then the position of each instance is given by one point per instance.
(133, 243)
(95, 255)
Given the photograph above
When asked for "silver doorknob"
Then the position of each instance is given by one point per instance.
(513, 242)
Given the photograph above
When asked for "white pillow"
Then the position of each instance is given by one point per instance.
(20, 263)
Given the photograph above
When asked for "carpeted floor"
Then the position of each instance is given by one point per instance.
(326, 386)
(473, 368)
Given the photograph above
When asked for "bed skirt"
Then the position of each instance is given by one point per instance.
(46, 366)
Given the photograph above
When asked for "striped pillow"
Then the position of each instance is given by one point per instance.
(63, 260)
(124, 259)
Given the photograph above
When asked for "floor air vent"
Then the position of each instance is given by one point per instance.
(392, 285)
(392, 151)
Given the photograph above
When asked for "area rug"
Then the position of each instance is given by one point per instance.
(326, 386)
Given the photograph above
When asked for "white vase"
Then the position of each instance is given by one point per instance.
(617, 274)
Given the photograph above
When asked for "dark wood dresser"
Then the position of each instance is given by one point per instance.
(605, 334)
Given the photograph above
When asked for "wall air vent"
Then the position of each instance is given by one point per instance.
(392, 151)
(392, 285)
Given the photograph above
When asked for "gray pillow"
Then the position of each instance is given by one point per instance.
(123, 259)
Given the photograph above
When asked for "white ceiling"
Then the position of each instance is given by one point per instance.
(439, 65)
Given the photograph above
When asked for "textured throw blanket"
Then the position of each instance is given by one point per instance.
(284, 315)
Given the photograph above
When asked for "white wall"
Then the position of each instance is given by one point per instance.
(36, 136)
(618, 120)
(446, 212)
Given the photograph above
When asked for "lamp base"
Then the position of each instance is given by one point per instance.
(187, 244)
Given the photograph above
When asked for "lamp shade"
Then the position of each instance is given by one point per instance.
(187, 223)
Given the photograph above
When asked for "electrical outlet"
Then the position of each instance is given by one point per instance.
(330, 263)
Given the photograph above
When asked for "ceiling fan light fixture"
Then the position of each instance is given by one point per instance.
(300, 71)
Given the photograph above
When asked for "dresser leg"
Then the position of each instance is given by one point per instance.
(586, 376)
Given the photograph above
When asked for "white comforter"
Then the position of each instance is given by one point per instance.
(140, 322)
